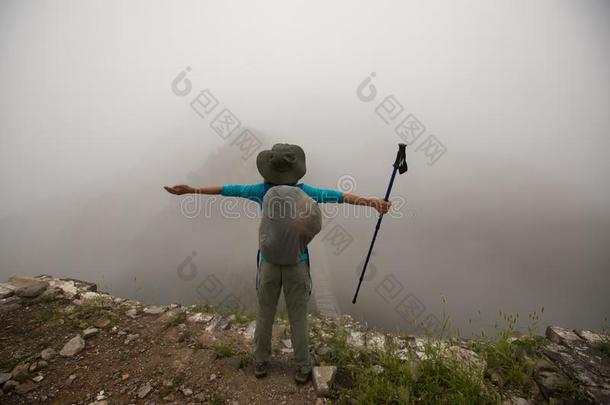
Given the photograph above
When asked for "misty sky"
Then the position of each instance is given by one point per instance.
(514, 215)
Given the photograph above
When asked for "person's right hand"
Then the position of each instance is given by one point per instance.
(179, 189)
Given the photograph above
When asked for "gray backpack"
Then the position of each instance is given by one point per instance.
(290, 221)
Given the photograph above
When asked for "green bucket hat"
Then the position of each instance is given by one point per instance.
(282, 164)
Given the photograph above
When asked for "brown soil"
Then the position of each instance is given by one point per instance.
(169, 356)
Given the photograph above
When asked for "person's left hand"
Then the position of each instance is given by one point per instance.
(382, 206)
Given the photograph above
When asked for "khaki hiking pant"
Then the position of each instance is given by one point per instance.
(296, 283)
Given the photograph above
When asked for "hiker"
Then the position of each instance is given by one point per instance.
(281, 166)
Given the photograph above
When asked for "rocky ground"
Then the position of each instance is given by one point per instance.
(62, 342)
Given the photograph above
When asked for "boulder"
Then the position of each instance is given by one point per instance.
(580, 361)
(590, 337)
(155, 309)
(550, 382)
(249, 331)
(27, 286)
(323, 377)
(73, 347)
(199, 317)
(6, 290)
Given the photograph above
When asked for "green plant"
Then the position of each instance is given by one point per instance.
(223, 350)
(217, 399)
(510, 361)
(604, 347)
(442, 378)
(571, 391)
(177, 318)
(245, 317)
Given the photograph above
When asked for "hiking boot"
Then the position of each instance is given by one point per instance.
(260, 369)
(302, 376)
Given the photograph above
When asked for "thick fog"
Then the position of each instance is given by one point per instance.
(505, 107)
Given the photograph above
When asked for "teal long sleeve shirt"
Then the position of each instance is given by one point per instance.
(255, 192)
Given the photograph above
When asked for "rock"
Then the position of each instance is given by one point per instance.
(70, 379)
(4, 377)
(48, 294)
(70, 286)
(101, 323)
(10, 300)
(27, 286)
(212, 377)
(580, 361)
(42, 364)
(250, 329)
(20, 372)
(469, 359)
(4, 309)
(132, 313)
(67, 287)
(38, 378)
(90, 332)
(516, 401)
(6, 290)
(10, 385)
(199, 317)
(560, 335)
(496, 376)
(376, 341)
(324, 350)
(25, 387)
(48, 353)
(73, 347)
(144, 390)
(550, 382)
(187, 392)
(356, 339)
(30, 291)
(103, 402)
(155, 310)
(287, 346)
(218, 322)
(323, 377)
(131, 337)
(591, 338)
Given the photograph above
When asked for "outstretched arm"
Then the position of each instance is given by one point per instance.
(379, 204)
(186, 189)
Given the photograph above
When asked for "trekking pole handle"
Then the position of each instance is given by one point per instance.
(401, 158)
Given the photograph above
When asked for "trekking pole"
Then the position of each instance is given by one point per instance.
(400, 165)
